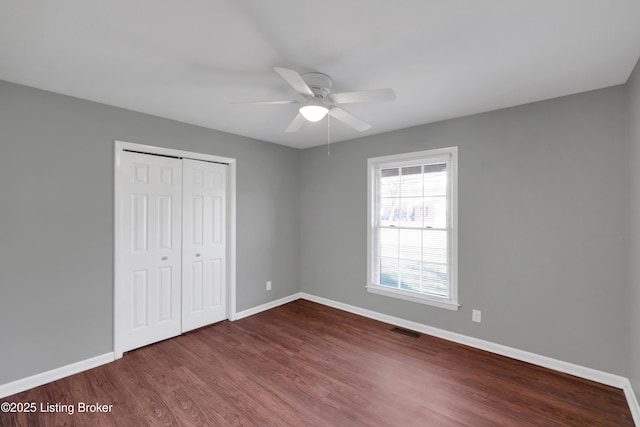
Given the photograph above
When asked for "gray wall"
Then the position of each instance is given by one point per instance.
(56, 221)
(543, 222)
(634, 229)
(542, 226)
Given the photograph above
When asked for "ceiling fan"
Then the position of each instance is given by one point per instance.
(319, 101)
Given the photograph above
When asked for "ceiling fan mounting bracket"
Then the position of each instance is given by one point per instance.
(319, 83)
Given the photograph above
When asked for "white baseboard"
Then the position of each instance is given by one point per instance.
(267, 306)
(606, 378)
(37, 380)
(633, 402)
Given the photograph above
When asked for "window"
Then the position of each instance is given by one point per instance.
(412, 236)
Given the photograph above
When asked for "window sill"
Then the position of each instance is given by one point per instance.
(412, 296)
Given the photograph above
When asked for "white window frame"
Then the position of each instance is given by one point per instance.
(374, 165)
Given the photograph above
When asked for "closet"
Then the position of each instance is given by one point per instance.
(171, 246)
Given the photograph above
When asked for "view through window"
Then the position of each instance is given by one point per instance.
(412, 218)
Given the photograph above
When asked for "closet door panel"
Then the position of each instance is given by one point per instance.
(151, 248)
(204, 299)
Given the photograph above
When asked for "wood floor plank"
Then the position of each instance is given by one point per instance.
(304, 364)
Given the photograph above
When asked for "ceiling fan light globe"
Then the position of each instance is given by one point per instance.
(313, 113)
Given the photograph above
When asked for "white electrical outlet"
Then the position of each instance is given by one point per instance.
(269, 285)
(476, 316)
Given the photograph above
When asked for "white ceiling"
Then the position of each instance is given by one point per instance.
(190, 60)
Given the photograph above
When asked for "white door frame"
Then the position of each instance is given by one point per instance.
(119, 146)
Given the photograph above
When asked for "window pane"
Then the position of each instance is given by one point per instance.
(411, 209)
(410, 245)
(410, 251)
(434, 279)
(410, 275)
(388, 243)
(390, 182)
(389, 272)
(434, 246)
(435, 212)
(435, 180)
(411, 181)
(389, 172)
(390, 211)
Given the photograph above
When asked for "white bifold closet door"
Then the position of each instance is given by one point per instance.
(173, 270)
(204, 275)
(151, 247)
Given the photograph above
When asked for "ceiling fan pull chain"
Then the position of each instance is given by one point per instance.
(328, 135)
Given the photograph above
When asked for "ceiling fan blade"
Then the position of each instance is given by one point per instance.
(295, 80)
(266, 102)
(348, 119)
(364, 96)
(296, 124)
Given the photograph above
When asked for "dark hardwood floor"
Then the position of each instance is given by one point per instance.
(304, 364)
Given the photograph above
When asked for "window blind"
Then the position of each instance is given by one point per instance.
(412, 228)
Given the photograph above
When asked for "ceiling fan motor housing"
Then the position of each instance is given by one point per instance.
(319, 101)
(320, 84)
